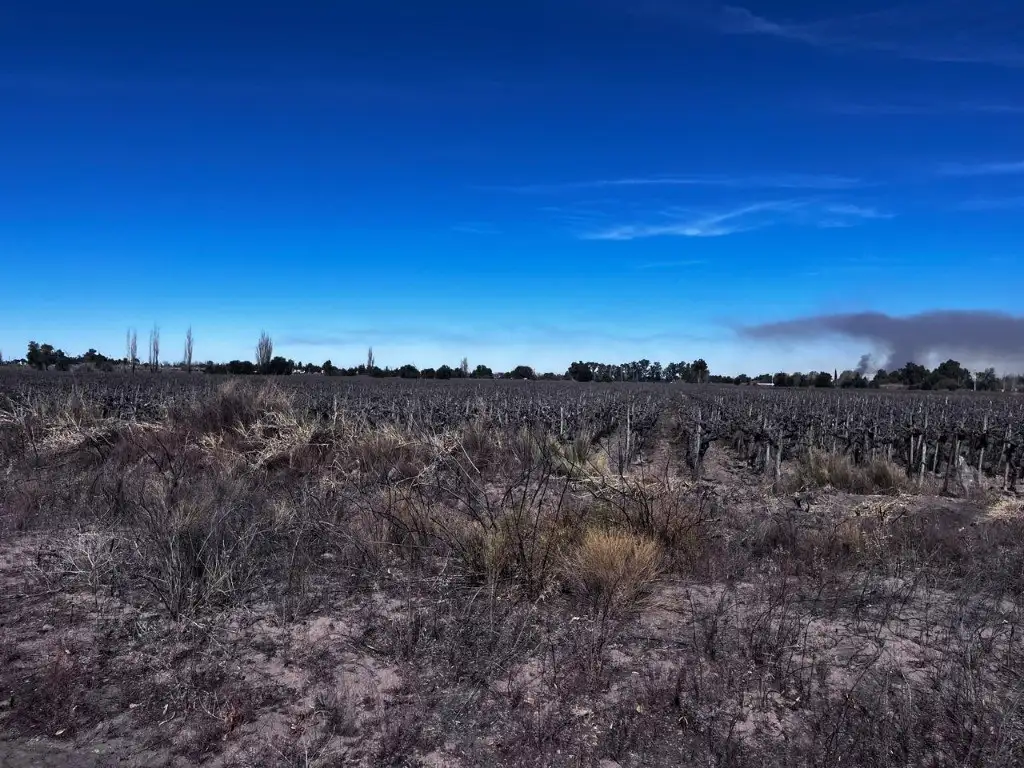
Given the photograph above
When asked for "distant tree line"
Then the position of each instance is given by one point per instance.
(950, 375)
(46, 357)
(696, 372)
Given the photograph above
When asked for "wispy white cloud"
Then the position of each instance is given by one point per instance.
(936, 108)
(682, 223)
(992, 204)
(672, 264)
(980, 32)
(767, 181)
(1003, 168)
(475, 228)
(856, 211)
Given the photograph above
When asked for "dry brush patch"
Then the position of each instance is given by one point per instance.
(320, 574)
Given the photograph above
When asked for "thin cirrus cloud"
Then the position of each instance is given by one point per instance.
(672, 264)
(992, 204)
(768, 181)
(937, 108)
(742, 219)
(1003, 168)
(475, 228)
(980, 32)
(856, 211)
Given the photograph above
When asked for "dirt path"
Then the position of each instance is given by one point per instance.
(115, 753)
(26, 754)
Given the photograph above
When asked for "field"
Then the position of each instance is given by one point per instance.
(321, 571)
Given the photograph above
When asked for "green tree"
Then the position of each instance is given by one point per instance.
(444, 372)
(952, 370)
(242, 368)
(580, 372)
(409, 371)
(522, 372)
(279, 366)
(47, 355)
(483, 372)
(912, 374)
(34, 356)
(700, 370)
(782, 379)
(988, 381)
(823, 379)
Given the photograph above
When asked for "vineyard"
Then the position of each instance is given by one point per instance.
(344, 571)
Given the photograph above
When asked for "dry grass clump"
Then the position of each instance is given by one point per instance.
(480, 446)
(613, 569)
(388, 454)
(819, 469)
(1005, 508)
(576, 458)
(234, 405)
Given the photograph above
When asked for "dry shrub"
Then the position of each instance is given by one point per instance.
(198, 541)
(13, 441)
(480, 445)
(281, 441)
(679, 517)
(90, 558)
(613, 569)
(21, 505)
(55, 696)
(479, 548)
(575, 458)
(410, 526)
(524, 550)
(387, 455)
(578, 459)
(338, 708)
(885, 476)
(345, 530)
(235, 404)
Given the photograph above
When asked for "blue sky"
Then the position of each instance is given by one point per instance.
(529, 182)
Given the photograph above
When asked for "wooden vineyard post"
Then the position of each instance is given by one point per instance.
(981, 449)
(953, 456)
(778, 458)
(924, 460)
(696, 447)
(910, 448)
(1006, 453)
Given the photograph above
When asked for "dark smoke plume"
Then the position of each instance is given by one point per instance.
(993, 337)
